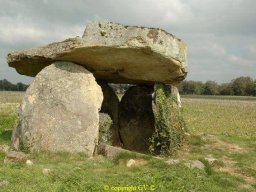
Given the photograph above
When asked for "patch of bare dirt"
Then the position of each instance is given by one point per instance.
(217, 144)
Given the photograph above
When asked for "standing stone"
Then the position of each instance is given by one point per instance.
(176, 95)
(136, 118)
(150, 119)
(169, 125)
(110, 105)
(60, 111)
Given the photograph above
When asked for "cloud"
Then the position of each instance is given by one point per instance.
(221, 35)
(19, 30)
(15, 30)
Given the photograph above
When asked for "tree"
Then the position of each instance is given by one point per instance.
(243, 86)
(21, 87)
(191, 87)
(225, 89)
(5, 85)
(210, 88)
(254, 88)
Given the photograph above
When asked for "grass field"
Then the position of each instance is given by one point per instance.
(11, 97)
(221, 116)
(224, 129)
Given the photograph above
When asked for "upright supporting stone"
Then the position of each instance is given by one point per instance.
(60, 111)
(150, 119)
(110, 105)
(169, 125)
(136, 118)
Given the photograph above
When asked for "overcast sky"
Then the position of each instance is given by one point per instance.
(220, 34)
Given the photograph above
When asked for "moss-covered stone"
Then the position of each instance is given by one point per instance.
(105, 129)
(169, 124)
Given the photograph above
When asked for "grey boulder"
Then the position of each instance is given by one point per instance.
(60, 111)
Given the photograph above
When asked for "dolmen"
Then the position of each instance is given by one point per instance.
(71, 107)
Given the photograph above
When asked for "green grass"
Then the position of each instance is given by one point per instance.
(11, 96)
(232, 120)
(220, 97)
(8, 120)
(222, 117)
(77, 173)
(230, 123)
(246, 162)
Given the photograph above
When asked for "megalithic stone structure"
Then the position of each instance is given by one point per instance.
(65, 87)
(113, 52)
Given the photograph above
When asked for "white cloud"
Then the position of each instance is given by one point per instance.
(18, 30)
(15, 30)
(209, 49)
(172, 11)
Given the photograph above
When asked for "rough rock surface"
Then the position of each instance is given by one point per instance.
(113, 52)
(136, 162)
(112, 151)
(110, 106)
(150, 119)
(195, 164)
(136, 118)
(60, 111)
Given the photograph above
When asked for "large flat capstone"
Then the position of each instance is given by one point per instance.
(113, 52)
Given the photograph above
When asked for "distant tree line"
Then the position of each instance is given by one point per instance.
(5, 85)
(242, 86)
